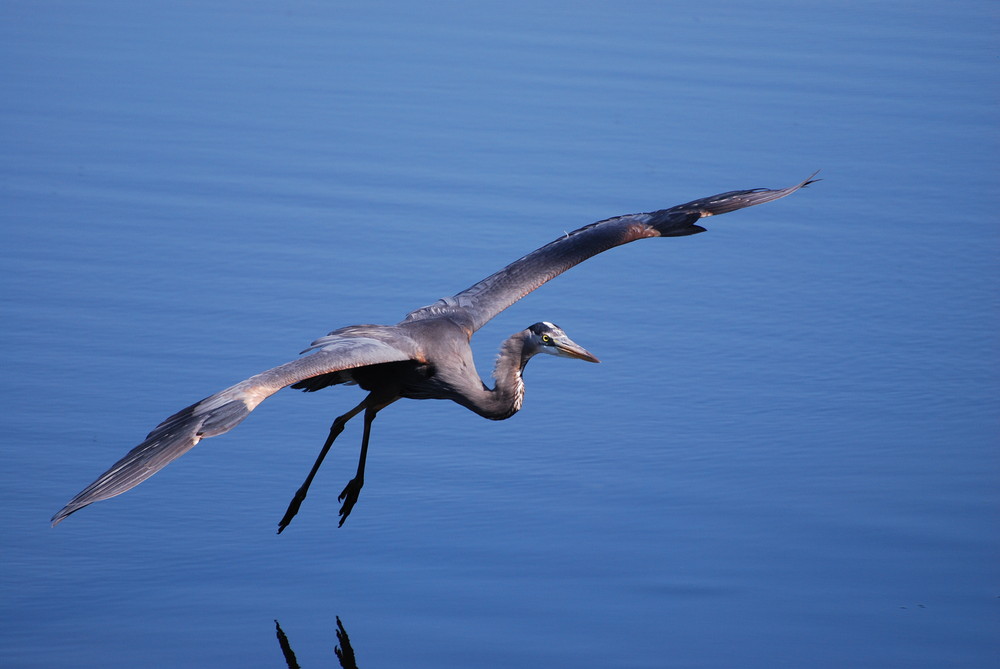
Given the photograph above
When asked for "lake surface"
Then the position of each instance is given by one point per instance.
(788, 456)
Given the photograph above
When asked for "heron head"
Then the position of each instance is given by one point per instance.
(545, 337)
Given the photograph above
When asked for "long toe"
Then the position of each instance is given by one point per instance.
(349, 497)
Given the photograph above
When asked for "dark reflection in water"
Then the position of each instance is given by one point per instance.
(286, 648)
(344, 651)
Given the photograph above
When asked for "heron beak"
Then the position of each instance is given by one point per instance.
(570, 349)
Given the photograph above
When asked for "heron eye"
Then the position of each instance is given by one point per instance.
(546, 339)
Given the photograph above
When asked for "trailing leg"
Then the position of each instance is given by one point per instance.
(349, 496)
(300, 494)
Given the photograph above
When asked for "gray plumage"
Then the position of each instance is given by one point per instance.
(425, 356)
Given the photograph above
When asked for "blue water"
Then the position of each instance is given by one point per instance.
(788, 457)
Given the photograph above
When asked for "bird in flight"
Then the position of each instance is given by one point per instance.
(425, 356)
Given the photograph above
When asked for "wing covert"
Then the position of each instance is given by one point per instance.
(224, 410)
(477, 304)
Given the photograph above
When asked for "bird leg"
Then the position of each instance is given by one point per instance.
(349, 496)
(300, 494)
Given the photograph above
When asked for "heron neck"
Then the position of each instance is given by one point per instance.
(504, 400)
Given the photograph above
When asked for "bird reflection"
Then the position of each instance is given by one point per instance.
(344, 651)
(286, 648)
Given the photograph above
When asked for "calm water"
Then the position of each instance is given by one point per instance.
(787, 458)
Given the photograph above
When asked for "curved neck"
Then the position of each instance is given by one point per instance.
(504, 399)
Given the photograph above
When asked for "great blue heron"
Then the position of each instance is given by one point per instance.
(425, 356)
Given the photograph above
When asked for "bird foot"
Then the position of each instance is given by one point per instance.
(349, 497)
(293, 508)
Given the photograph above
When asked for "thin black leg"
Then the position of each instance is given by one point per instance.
(300, 494)
(349, 496)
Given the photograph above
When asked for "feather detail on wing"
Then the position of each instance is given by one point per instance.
(476, 305)
(224, 410)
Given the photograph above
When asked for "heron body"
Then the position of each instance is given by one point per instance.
(425, 356)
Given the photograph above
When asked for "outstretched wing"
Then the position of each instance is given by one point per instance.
(224, 410)
(476, 305)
